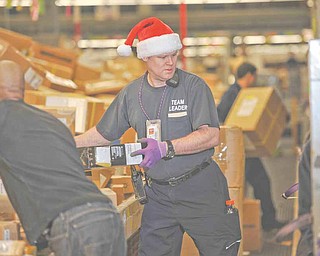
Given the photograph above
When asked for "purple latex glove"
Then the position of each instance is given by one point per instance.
(154, 151)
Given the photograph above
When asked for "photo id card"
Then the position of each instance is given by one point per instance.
(154, 129)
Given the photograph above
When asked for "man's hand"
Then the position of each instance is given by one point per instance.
(154, 151)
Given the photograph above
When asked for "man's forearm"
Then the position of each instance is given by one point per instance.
(91, 138)
(202, 139)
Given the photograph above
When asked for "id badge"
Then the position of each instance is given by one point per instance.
(154, 129)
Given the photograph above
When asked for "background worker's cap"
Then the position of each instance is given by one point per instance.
(155, 38)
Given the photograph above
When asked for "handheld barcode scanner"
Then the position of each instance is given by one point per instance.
(114, 155)
(138, 185)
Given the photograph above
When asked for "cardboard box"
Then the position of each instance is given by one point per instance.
(52, 54)
(54, 68)
(19, 41)
(55, 82)
(252, 233)
(129, 226)
(12, 248)
(89, 110)
(7, 212)
(126, 69)
(111, 194)
(137, 219)
(129, 136)
(230, 155)
(119, 190)
(9, 230)
(130, 211)
(100, 176)
(85, 73)
(104, 86)
(66, 115)
(32, 78)
(123, 180)
(59, 83)
(261, 114)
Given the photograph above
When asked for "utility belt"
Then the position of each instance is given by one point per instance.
(174, 181)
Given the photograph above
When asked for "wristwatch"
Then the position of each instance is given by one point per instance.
(170, 152)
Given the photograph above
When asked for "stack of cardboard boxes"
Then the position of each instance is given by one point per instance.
(88, 110)
(251, 228)
(57, 71)
(230, 156)
(11, 236)
(57, 83)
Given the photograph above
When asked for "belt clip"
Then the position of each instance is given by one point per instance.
(148, 181)
(46, 232)
(173, 182)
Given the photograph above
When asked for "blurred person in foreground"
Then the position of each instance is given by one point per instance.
(255, 172)
(305, 217)
(174, 113)
(305, 246)
(45, 181)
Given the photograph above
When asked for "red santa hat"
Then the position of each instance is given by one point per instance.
(155, 38)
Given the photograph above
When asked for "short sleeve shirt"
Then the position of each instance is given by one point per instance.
(40, 166)
(183, 110)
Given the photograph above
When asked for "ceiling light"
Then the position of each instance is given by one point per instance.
(237, 40)
(254, 39)
(14, 3)
(157, 2)
(285, 39)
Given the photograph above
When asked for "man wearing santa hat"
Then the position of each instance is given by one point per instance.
(174, 113)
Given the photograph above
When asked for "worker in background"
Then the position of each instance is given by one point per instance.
(294, 93)
(45, 181)
(305, 246)
(294, 78)
(174, 113)
(255, 172)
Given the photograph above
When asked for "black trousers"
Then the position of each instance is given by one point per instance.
(258, 178)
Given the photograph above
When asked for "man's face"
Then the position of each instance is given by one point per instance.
(162, 67)
(252, 79)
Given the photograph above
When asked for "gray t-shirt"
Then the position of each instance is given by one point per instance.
(185, 108)
(40, 166)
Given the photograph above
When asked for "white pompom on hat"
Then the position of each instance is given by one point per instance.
(155, 38)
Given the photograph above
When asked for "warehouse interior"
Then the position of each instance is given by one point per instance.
(71, 48)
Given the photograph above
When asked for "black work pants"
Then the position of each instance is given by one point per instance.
(258, 178)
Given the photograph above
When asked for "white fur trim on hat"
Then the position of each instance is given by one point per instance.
(158, 45)
(124, 50)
